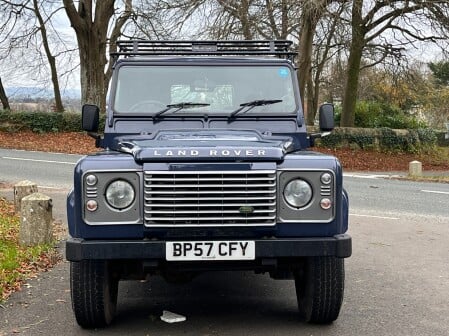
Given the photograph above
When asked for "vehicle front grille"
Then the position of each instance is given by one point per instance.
(210, 198)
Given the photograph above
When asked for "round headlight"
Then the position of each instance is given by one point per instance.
(120, 194)
(298, 193)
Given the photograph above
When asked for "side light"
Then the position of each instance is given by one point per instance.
(325, 203)
(91, 205)
(91, 180)
(326, 178)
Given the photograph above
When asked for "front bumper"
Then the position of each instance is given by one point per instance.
(79, 249)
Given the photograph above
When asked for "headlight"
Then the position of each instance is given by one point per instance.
(298, 193)
(120, 194)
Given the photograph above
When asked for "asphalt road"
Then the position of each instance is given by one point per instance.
(47, 169)
(397, 281)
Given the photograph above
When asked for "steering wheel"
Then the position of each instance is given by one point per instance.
(137, 106)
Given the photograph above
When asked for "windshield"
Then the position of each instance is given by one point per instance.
(208, 89)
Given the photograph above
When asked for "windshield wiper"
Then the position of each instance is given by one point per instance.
(178, 107)
(252, 104)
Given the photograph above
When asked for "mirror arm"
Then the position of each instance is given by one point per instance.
(314, 136)
(98, 138)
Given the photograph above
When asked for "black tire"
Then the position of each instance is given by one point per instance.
(319, 289)
(94, 293)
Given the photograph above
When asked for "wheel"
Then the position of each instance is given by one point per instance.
(143, 105)
(94, 293)
(319, 289)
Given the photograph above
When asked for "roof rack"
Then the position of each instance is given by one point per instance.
(278, 48)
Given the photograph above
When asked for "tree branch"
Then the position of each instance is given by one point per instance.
(75, 19)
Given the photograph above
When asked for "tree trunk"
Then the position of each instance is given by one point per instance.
(245, 20)
(91, 28)
(314, 83)
(354, 61)
(115, 35)
(4, 97)
(92, 63)
(312, 12)
(305, 55)
(240, 11)
(311, 102)
(51, 59)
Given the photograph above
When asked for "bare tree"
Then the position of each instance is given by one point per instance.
(250, 19)
(26, 24)
(91, 22)
(50, 57)
(328, 44)
(240, 11)
(370, 21)
(312, 11)
(219, 19)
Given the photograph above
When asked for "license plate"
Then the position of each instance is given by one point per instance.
(210, 250)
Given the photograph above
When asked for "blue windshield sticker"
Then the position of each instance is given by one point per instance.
(283, 72)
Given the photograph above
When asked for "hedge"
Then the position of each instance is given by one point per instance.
(42, 122)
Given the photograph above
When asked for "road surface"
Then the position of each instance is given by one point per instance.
(397, 281)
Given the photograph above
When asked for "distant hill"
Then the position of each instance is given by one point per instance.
(22, 92)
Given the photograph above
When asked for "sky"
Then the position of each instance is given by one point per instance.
(17, 73)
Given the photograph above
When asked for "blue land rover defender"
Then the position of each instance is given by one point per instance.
(205, 166)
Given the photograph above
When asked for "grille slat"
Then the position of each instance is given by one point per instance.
(199, 192)
(206, 198)
(210, 198)
(203, 211)
(209, 218)
(272, 185)
(205, 179)
(209, 205)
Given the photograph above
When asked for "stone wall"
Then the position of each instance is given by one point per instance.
(384, 139)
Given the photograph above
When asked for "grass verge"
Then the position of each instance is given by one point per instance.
(19, 263)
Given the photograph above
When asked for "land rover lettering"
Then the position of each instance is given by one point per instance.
(191, 152)
(211, 152)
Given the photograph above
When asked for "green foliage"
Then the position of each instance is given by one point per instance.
(42, 122)
(373, 114)
(390, 141)
(440, 71)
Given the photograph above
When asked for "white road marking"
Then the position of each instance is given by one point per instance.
(380, 217)
(436, 192)
(372, 176)
(35, 160)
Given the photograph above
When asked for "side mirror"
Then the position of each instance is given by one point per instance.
(90, 118)
(326, 114)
